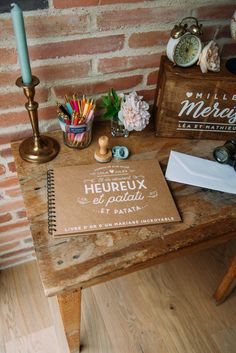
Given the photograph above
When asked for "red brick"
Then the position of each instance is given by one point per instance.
(55, 25)
(15, 261)
(229, 50)
(13, 192)
(12, 167)
(106, 2)
(8, 56)
(16, 99)
(9, 246)
(21, 214)
(6, 29)
(17, 252)
(9, 182)
(15, 135)
(127, 63)
(11, 206)
(224, 32)
(121, 83)
(2, 169)
(8, 78)
(62, 4)
(12, 119)
(12, 226)
(6, 217)
(6, 152)
(148, 39)
(223, 11)
(49, 73)
(14, 236)
(56, 72)
(209, 32)
(46, 113)
(148, 95)
(77, 47)
(152, 78)
(140, 16)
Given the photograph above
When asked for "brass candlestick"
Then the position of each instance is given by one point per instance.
(36, 149)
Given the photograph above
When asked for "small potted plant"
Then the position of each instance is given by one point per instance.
(127, 112)
(112, 105)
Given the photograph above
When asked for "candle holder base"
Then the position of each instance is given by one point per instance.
(35, 149)
(39, 150)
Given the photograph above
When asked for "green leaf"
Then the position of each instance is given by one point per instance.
(111, 111)
(117, 99)
(105, 101)
(110, 95)
(111, 103)
(105, 117)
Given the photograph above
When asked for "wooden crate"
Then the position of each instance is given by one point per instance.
(193, 105)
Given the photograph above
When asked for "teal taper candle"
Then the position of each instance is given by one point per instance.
(22, 49)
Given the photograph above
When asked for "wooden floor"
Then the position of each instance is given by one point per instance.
(164, 309)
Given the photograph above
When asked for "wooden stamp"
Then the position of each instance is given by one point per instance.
(103, 153)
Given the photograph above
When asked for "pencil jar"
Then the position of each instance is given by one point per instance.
(79, 136)
(76, 120)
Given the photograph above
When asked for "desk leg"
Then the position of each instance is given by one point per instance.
(70, 308)
(227, 284)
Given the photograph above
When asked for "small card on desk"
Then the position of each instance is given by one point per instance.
(201, 172)
(92, 198)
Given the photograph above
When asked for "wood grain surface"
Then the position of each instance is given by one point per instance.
(166, 309)
(208, 218)
(70, 308)
(190, 104)
(228, 283)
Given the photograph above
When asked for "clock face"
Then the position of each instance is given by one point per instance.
(187, 50)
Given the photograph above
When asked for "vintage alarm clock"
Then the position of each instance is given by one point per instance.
(185, 46)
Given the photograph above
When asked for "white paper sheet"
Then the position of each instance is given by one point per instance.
(201, 172)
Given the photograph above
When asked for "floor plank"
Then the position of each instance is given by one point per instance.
(21, 302)
(42, 341)
(163, 309)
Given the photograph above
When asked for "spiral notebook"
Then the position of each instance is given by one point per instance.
(93, 198)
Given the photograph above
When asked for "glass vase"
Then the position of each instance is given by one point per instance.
(117, 128)
(79, 136)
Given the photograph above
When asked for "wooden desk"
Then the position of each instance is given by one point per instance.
(70, 264)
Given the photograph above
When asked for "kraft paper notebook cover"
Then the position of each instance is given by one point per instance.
(92, 198)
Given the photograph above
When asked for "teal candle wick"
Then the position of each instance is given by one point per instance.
(21, 43)
(15, 6)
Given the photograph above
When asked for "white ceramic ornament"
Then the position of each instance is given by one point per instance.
(233, 26)
(209, 58)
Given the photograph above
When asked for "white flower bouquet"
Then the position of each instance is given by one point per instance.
(134, 112)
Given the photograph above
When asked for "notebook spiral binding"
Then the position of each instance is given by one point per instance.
(51, 202)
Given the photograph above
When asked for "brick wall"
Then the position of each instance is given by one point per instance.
(84, 46)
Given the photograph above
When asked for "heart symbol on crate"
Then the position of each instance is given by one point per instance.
(189, 94)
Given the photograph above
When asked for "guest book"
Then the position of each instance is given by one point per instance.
(92, 198)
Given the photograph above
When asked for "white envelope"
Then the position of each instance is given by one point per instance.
(201, 172)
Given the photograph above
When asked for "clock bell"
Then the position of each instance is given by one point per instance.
(182, 28)
(184, 45)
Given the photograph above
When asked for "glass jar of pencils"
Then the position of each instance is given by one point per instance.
(79, 136)
(76, 120)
